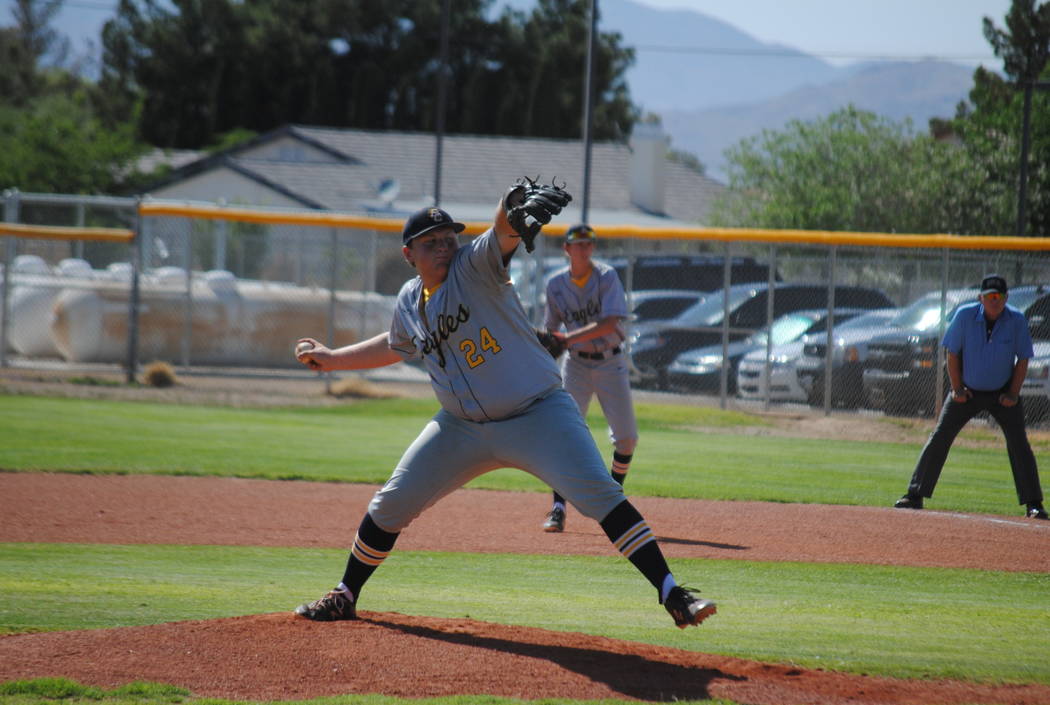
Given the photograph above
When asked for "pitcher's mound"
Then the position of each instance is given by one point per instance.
(283, 657)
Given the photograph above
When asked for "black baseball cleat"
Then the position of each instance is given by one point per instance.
(909, 501)
(686, 608)
(555, 521)
(336, 605)
(1036, 511)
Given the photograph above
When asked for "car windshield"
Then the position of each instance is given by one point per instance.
(790, 327)
(709, 311)
(867, 320)
(924, 313)
(664, 307)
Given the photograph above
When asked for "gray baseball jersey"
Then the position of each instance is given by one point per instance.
(500, 392)
(601, 371)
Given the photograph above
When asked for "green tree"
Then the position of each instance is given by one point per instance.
(57, 144)
(989, 124)
(853, 171)
(206, 67)
(26, 46)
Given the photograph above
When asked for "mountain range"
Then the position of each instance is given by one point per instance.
(713, 85)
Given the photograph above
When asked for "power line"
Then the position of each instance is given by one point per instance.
(800, 54)
(91, 5)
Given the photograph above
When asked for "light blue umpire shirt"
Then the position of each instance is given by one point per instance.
(988, 362)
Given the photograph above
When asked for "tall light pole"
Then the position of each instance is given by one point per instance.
(588, 102)
(439, 118)
(1022, 181)
(1022, 178)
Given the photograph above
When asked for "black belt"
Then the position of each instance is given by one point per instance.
(600, 355)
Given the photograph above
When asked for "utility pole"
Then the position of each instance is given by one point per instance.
(588, 102)
(1022, 179)
(439, 118)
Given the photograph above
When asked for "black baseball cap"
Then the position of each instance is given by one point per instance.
(993, 283)
(426, 219)
(580, 231)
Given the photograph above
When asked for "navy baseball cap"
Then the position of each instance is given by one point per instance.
(426, 219)
(578, 232)
(993, 283)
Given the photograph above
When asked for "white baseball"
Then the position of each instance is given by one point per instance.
(303, 347)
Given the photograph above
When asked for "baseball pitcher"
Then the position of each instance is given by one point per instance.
(502, 401)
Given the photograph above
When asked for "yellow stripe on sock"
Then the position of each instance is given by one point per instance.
(630, 535)
(645, 538)
(366, 554)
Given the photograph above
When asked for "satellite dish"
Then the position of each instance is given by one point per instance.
(388, 190)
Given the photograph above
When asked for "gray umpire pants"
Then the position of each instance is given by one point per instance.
(955, 415)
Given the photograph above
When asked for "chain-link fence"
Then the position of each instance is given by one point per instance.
(746, 316)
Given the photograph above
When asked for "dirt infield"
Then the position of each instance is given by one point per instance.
(280, 657)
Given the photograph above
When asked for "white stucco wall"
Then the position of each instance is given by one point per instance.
(228, 185)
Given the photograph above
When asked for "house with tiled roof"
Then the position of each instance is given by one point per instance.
(384, 172)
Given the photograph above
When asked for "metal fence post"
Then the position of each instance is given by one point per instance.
(333, 281)
(187, 321)
(830, 338)
(78, 245)
(133, 299)
(727, 279)
(938, 384)
(10, 216)
(771, 282)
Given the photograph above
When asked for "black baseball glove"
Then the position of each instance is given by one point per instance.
(530, 205)
(554, 345)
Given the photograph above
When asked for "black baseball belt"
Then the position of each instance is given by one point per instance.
(604, 355)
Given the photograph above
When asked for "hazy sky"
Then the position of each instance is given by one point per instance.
(839, 31)
(843, 30)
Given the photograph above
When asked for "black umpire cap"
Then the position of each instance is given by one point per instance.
(993, 283)
(426, 219)
(578, 232)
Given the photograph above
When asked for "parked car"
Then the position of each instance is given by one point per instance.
(792, 372)
(701, 369)
(1035, 392)
(849, 351)
(901, 370)
(655, 346)
(650, 305)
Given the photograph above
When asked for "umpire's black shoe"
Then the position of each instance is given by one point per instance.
(909, 501)
(555, 522)
(1036, 511)
(336, 605)
(686, 608)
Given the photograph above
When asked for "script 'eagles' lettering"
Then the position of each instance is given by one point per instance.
(447, 324)
(584, 315)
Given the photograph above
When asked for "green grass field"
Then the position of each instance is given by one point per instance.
(896, 621)
(361, 443)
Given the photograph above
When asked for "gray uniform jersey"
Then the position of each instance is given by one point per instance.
(474, 337)
(574, 306)
(501, 396)
(601, 371)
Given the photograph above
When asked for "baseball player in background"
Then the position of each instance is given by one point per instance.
(502, 403)
(587, 300)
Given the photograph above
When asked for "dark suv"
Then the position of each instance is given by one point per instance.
(694, 272)
(654, 347)
(900, 373)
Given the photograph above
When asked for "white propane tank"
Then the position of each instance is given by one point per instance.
(232, 322)
(32, 299)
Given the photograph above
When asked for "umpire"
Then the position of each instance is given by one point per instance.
(988, 345)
